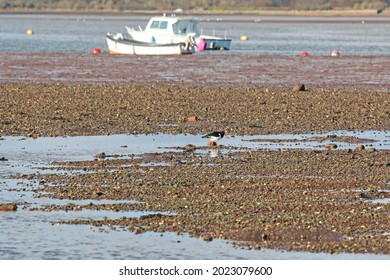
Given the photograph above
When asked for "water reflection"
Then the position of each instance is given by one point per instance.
(213, 153)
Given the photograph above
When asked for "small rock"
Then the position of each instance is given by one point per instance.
(298, 87)
(8, 207)
(364, 196)
(101, 155)
(207, 238)
(3, 159)
(189, 147)
(371, 150)
(330, 146)
(6, 121)
(192, 119)
(360, 148)
(98, 193)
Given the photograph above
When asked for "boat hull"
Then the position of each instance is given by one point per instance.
(117, 44)
(216, 43)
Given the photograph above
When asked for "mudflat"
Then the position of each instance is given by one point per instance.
(311, 200)
(46, 94)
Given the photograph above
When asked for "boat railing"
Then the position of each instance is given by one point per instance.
(213, 33)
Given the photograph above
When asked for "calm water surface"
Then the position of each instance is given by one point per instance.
(267, 35)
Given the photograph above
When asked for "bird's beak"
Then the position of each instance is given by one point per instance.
(227, 136)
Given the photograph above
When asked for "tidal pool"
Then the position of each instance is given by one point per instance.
(26, 234)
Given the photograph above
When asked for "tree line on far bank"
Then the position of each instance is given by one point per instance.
(195, 5)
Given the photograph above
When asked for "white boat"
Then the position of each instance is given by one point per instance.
(118, 44)
(172, 29)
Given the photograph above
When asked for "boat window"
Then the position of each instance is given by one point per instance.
(155, 24)
(192, 27)
(163, 25)
(183, 27)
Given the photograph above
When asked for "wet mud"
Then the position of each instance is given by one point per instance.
(201, 69)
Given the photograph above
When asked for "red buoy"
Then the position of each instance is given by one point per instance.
(96, 51)
(304, 54)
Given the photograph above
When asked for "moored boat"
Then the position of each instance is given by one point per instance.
(118, 44)
(172, 29)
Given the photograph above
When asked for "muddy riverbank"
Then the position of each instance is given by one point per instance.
(328, 199)
(56, 94)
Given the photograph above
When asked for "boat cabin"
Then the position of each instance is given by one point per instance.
(172, 26)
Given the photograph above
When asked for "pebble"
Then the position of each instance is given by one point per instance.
(330, 146)
(8, 207)
(100, 155)
(102, 111)
(298, 87)
(190, 147)
(360, 148)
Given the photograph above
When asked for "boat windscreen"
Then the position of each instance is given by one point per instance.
(155, 24)
(185, 26)
(159, 24)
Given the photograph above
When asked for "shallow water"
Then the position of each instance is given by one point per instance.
(282, 35)
(47, 149)
(26, 234)
(38, 238)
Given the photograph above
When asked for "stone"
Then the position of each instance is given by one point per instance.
(207, 238)
(8, 207)
(360, 148)
(330, 146)
(192, 119)
(298, 87)
(189, 147)
(101, 155)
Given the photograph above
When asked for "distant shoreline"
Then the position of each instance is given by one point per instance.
(260, 16)
(325, 13)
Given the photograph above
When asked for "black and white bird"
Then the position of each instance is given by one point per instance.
(215, 136)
